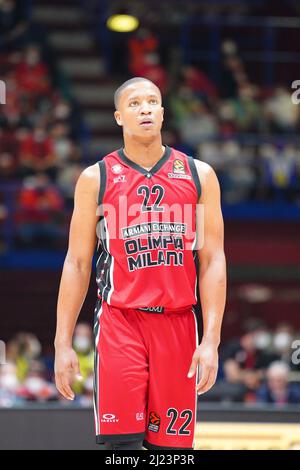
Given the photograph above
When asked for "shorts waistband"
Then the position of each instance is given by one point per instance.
(153, 309)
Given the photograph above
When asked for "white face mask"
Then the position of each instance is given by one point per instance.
(81, 343)
(89, 384)
(34, 385)
(34, 348)
(62, 111)
(39, 135)
(63, 148)
(32, 58)
(262, 340)
(282, 341)
(8, 382)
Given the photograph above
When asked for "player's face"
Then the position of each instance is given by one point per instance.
(140, 111)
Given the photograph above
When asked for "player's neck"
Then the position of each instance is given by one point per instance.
(145, 155)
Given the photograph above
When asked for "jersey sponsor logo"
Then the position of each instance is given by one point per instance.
(178, 167)
(153, 227)
(179, 176)
(154, 421)
(147, 260)
(116, 169)
(140, 257)
(109, 418)
(138, 245)
(139, 416)
(120, 179)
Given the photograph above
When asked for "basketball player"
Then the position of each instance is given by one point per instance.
(146, 352)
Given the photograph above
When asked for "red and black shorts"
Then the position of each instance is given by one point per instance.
(142, 391)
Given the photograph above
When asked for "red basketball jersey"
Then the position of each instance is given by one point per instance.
(147, 231)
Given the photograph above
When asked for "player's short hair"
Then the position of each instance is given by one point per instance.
(124, 85)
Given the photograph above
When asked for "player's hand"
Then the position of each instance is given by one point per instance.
(66, 370)
(206, 357)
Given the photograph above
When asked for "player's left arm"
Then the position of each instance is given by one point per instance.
(212, 277)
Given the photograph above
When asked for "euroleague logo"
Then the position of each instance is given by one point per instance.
(109, 418)
(178, 166)
(179, 170)
(154, 421)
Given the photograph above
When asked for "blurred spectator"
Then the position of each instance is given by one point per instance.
(66, 181)
(244, 361)
(277, 389)
(263, 339)
(199, 124)
(152, 69)
(238, 177)
(87, 394)
(233, 75)
(35, 387)
(63, 113)
(9, 385)
(39, 219)
(197, 81)
(280, 111)
(37, 152)
(247, 109)
(181, 101)
(192, 117)
(32, 73)
(210, 153)
(226, 116)
(283, 338)
(63, 147)
(280, 174)
(140, 44)
(84, 347)
(21, 350)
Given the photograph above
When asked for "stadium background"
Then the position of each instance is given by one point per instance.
(226, 70)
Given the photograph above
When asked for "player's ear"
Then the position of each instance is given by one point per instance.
(162, 111)
(118, 118)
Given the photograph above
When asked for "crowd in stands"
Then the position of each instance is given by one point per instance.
(261, 366)
(28, 374)
(40, 158)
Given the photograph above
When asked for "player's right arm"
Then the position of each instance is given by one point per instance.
(75, 277)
